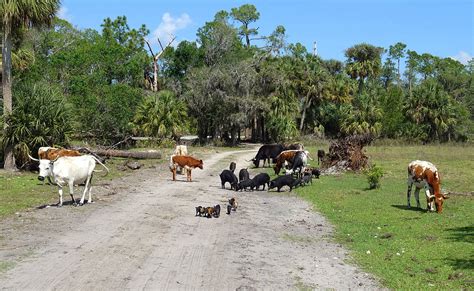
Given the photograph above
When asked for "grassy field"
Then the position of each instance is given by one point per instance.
(405, 248)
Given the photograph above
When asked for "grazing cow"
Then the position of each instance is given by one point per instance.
(70, 171)
(424, 174)
(259, 180)
(228, 176)
(281, 181)
(186, 162)
(267, 152)
(243, 175)
(232, 166)
(321, 155)
(284, 156)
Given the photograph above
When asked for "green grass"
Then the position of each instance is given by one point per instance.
(409, 248)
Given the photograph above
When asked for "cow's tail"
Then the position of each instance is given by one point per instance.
(98, 160)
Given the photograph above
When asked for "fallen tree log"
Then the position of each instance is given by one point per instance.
(123, 154)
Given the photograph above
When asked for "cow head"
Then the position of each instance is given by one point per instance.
(45, 167)
(200, 164)
(439, 202)
(256, 162)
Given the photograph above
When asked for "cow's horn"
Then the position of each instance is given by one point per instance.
(36, 160)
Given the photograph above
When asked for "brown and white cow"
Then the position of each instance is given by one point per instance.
(186, 162)
(425, 175)
(284, 156)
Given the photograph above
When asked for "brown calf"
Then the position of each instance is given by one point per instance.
(186, 162)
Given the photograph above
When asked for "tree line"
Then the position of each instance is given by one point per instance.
(230, 84)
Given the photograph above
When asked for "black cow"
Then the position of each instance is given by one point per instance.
(228, 176)
(259, 180)
(279, 182)
(243, 175)
(267, 152)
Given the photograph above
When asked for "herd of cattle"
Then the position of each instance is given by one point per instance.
(70, 167)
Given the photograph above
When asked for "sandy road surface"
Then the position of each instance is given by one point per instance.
(142, 234)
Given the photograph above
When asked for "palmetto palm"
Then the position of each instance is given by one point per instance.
(161, 115)
(16, 14)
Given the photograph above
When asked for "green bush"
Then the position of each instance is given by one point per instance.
(373, 174)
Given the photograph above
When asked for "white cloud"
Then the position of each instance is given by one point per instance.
(170, 26)
(63, 13)
(462, 57)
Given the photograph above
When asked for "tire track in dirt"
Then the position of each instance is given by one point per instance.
(147, 237)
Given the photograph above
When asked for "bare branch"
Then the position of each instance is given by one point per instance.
(163, 49)
(149, 47)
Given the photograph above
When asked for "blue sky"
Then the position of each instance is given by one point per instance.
(444, 28)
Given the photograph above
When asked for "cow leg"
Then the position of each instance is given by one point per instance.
(60, 203)
(429, 200)
(417, 197)
(90, 188)
(174, 173)
(71, 192)
(190, 177)
(410, 185)
(85, 190)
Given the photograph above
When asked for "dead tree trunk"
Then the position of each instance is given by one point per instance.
(154, 86)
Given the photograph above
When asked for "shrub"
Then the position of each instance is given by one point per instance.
(39, 118)
(374, 173)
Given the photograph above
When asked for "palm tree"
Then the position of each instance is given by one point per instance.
(363, 61)
(16, 15)
(161, 115)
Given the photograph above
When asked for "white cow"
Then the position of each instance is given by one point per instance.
(70, 171)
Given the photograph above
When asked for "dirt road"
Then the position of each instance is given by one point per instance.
(142, 234)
